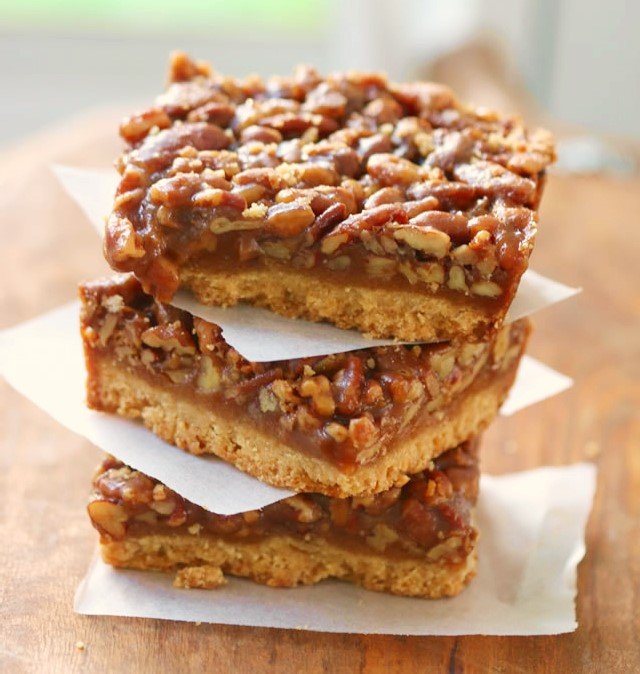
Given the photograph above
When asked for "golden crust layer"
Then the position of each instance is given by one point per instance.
(200, 430)
(378, 312)
(284, 561)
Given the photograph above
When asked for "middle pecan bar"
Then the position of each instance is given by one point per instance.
(343, 424)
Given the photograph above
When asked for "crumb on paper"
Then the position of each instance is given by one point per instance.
(207, 577)
(592, 449)
(80, 645)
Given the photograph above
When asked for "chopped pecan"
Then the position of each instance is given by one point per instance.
(351, 228)
(133, 129)
(497, 181)
(121, 241)
(109, 518)
(170, 337)
(390, 170)
(363, 432)
(319, 390)
(423, 238)
(158, 151)
(347, 386)
(289, 219)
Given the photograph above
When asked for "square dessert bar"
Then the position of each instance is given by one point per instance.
(416, 540)
(345, 424)
(390, 208)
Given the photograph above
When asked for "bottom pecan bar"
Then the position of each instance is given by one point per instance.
(416, 540)
(342, 425)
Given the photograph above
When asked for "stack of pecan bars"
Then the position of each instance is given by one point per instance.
(392, 209)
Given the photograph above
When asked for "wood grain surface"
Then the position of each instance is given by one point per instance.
(590, 236)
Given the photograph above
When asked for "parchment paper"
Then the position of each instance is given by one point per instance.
(532, 539)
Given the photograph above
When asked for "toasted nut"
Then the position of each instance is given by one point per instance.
(339, 263)
(250, 192)
(220, 225)
(319, 390)
(148, 357)
(128, 199)
(307, 511)
(135, 128)
(168, 217)
(306, 421)
(289, 219)
(163, 506)
(277, 250)
(380, 267)
(464, 255)
(178, 376)
(382, 536)
(122, 240)
(337, 431)
(371, 242)
(430, 272)
(457, 279)
(487, 266)
(408, 272)
(208, 376)
(209, 197)
(426, 239)
(255, 212)
(486, 289)
(387, 195)
(308, 175)
(415, 208)
(268, 401)
(390, 170)
(363, 432)
(332, 242)
(383, 110)
(109, 518)
(107, 328)
(261, 134)
(373, 393)
(169, 337)
(388, 245)
(442, 363)
(469, 352)
(424, 143)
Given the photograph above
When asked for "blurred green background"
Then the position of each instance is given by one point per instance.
(575, 61)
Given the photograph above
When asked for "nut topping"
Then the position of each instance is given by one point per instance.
(289, 171)
(427, 239)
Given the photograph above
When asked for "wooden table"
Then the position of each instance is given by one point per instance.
(590, 236)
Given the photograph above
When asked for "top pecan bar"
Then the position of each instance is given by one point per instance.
(390, 208)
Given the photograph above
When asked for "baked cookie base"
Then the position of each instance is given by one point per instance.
(419, 316)
(285, 561)
(199, 430)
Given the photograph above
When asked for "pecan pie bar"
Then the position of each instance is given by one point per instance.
(345, 424)
(415, 540)
(390, 208)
